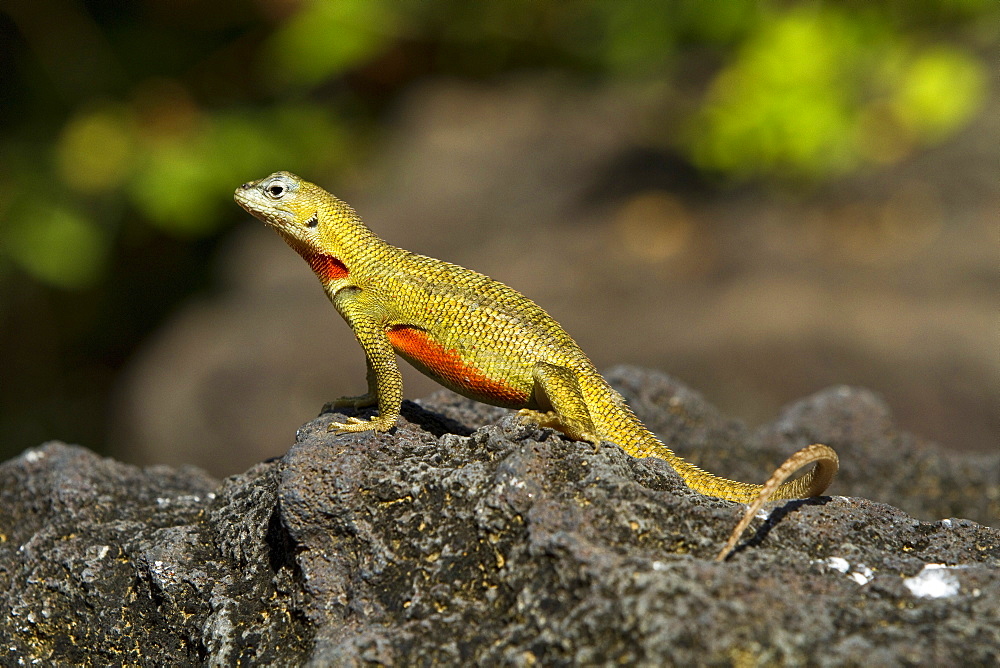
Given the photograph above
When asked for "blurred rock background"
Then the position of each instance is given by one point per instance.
(762, 199)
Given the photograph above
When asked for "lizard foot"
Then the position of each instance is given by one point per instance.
(553, 420)
(353, 424)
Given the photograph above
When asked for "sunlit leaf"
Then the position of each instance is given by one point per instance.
(940, 92)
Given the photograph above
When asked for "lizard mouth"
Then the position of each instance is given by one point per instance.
(242, 198)
(270, 215)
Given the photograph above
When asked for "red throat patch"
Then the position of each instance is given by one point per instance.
(418, 346)
(327, 267)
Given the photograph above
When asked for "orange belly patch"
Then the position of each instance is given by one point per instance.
(418, 347)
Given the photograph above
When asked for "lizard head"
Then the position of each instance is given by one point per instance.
(287, 203)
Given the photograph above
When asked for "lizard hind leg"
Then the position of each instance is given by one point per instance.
(556, 388)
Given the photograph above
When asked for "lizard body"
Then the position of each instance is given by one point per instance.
(478, 337)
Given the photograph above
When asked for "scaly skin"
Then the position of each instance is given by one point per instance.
(477, 337)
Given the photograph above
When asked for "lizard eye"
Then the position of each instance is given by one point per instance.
(275, 190)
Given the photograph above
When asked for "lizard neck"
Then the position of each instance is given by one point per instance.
(328, 268)
(346, 250)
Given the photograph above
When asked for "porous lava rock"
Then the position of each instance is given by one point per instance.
(466, 537)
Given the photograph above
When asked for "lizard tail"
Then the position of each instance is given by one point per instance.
(812, 484)
(632, 435)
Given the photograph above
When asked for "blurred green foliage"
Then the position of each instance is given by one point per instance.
(323, 39)
(119, 136)
(815, 92)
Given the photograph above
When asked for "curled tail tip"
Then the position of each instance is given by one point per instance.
(822, 451)
(827, 464)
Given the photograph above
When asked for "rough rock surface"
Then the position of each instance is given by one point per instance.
(468, 538)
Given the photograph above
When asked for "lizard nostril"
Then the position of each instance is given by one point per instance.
(245, 186)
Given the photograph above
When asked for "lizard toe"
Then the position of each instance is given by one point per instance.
(353, 425)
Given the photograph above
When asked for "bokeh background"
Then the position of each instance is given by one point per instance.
(761, 198)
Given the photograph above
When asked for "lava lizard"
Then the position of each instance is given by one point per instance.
(480, 338)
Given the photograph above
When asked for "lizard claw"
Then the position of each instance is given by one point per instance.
(353, 424)
(552, 420)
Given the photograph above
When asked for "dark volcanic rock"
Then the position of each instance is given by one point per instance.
(506, 545)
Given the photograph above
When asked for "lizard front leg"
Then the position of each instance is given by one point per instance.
(557, 386)
(385, 383)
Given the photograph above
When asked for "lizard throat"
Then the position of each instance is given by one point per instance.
(327, 267)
